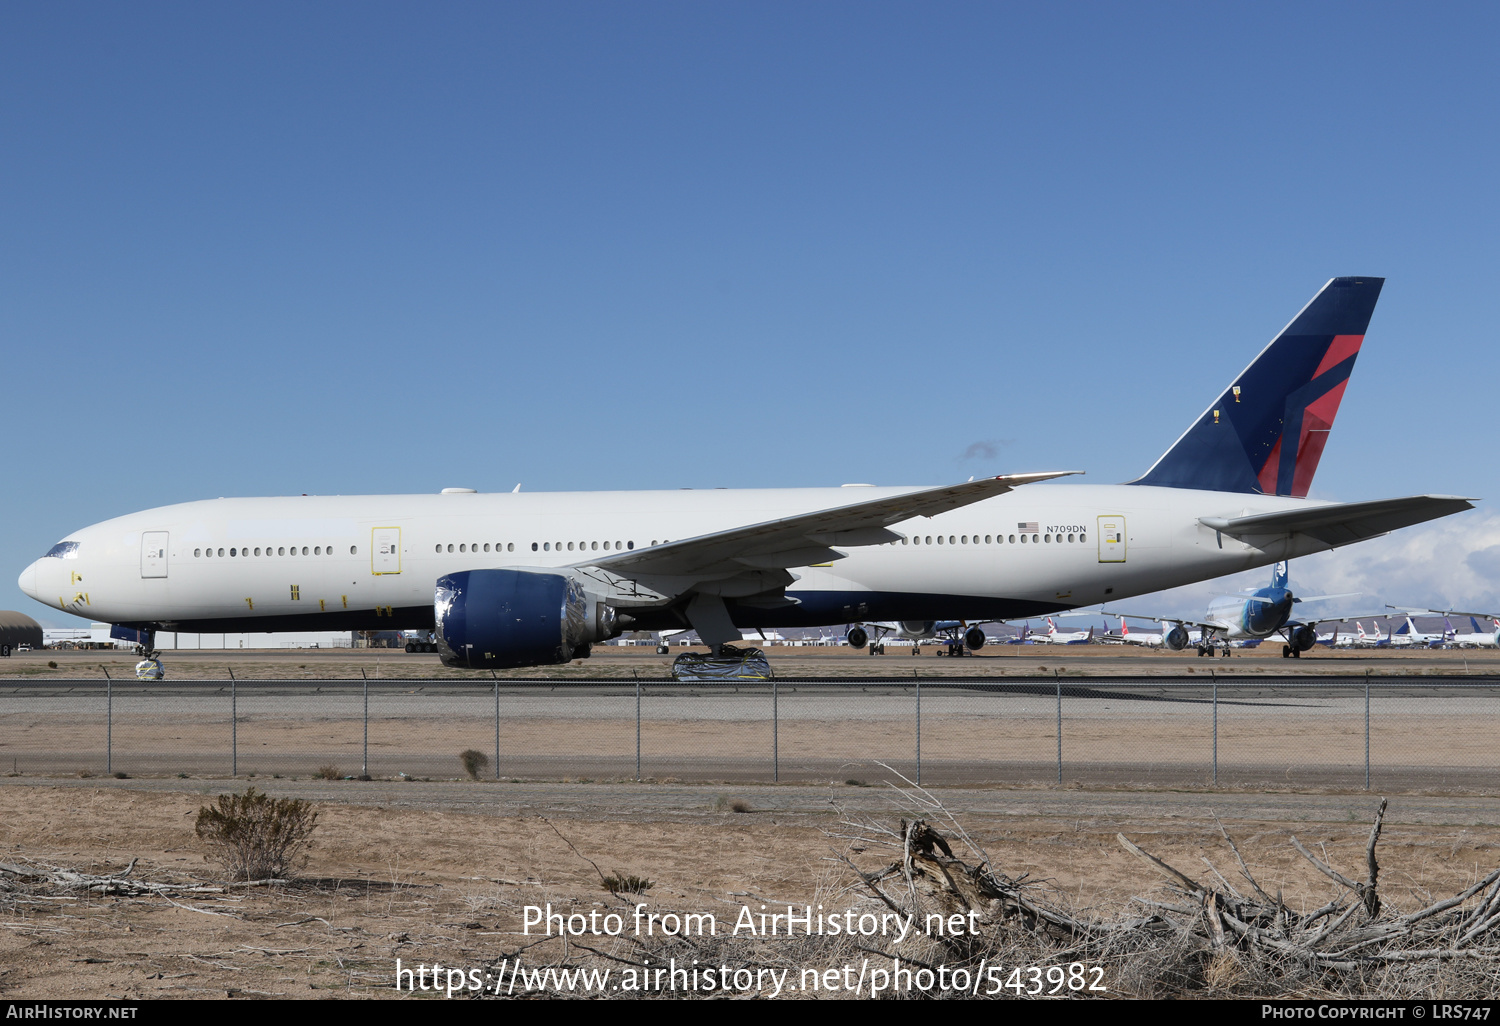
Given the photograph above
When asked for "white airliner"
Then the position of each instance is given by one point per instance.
(1057, 637)
(517, 579)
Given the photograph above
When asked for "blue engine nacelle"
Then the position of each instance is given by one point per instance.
(489, 619)
(1176, 639)
(1304, 638)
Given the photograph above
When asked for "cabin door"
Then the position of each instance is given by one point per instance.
(385, 550)
(154, 554)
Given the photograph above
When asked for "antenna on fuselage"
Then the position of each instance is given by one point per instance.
(516, 489)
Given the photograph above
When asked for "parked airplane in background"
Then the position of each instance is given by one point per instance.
(1414, 638)
(1244, 620)
(522, 579)
(1148, 640)
(1056, 637)
(1370, 640)
(957, 635)
(1479, 639)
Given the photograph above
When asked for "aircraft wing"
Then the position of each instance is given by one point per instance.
(1345, 522)
(1441, 612)
(806, 538)
(1213, 625)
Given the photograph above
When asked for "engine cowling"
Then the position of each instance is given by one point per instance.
(974, 638)
(491, 619)
(1304, 638)
(857, 637)
(1176, 639)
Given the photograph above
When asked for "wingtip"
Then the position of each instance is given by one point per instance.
(1044, 475)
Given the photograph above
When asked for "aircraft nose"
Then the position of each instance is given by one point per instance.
(27, 580)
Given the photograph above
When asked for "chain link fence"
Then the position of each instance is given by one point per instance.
(1356, 732)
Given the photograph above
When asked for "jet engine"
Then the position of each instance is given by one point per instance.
(857, 637)
(1304, 638)
(974, 638)
(1176, 639)
(501, 618)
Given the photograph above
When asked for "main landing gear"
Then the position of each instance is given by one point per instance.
(1288, 652)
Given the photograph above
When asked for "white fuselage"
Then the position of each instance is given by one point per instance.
(371, 561)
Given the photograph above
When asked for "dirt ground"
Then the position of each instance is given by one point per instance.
(393, 880)
(787, 662)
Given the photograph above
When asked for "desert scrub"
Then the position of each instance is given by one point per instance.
(256, 837)
(474, 762)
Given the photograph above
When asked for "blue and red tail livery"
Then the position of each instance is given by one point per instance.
(1267, 431)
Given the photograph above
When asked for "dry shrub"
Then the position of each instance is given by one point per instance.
(627, 883)
(329, 772)
(254, 836)
(474, 762)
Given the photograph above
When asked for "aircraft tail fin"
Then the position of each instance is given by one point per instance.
(1279, 575)
(1265, 433)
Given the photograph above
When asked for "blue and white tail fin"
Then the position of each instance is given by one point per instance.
(1267, 430)
(1279, 574)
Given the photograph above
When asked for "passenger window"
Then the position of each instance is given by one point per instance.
(511, 547)
(630, 545)
(1023, 539)
(197, 553)
(1083, 537)
(570, 546)
(304, 550)
(533, 546)
(486, 546)
(546, 546)
(221, 552)
(595, 546)
(438, 547)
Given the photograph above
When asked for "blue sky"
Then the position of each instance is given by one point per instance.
(365, 248)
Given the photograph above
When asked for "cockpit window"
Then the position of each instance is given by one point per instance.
(63, 550)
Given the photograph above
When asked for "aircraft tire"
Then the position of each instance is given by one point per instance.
(410, 647)
(1286, 651)
(915, 650)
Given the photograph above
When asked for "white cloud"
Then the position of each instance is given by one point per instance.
(1453, 563)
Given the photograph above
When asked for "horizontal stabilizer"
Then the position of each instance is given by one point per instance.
(1342, 523)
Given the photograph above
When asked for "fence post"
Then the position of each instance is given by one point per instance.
(109, 723)
(1216, 726)
(497, 725)
(364, 758)
(637, 728)
(1058, 681)
(919, 731)
(1367, 728)
(775, 734)
(234, 727)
